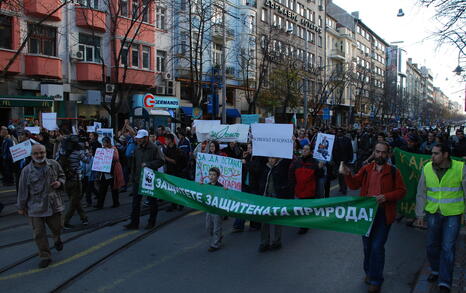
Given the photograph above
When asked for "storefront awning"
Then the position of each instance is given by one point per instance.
(26, 101)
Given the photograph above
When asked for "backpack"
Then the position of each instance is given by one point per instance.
(130, 148)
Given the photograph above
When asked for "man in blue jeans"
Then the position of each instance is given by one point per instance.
(441, 198)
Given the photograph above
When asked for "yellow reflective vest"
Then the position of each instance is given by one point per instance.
(446, 195)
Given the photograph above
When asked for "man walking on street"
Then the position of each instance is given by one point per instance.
(342, 152)
(147, 155)
(384, 182)
(440, 193)
(39, 197)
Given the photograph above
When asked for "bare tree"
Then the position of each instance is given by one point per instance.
(451, 15)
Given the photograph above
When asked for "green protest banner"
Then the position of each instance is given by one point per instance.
(410, 166)
(345, 214)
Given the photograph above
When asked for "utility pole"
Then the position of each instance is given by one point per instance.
(224, 67)
(306, 80)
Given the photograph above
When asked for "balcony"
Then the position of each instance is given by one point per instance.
(217, 33)
(5, 57)
(90, 18)
(88, 72)
(46, 66)
(42, 8)
(136, 77)
(337, 54)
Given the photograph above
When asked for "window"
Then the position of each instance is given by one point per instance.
(358, 29)
(313, 59)
(89, 3)
(124, 7)
(320, 41)
(6, 30)
(183, 5)
(161, 56)
(90, 46)
(135, 56)
(320, 61)
(312, 38)
(43, 39)
(320, 21)
(145, 57)
(124, 55)
(145, 10)
(160, 18)
(313, 17)
(264, 15)
(135, 9)
(217, 54)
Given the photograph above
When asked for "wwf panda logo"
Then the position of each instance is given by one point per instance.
(149, 178)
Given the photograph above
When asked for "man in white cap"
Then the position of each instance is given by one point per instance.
(147, 155)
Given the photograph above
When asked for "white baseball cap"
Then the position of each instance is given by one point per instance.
(142, 133)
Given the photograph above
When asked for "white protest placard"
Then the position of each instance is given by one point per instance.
(102, 160)
(202, 128)
(270, 119)
(324, 147)
(272, 140)
(97, 125)
(21, 150)
(228, 133)
(230, 170)
(49, 121)
(33, 130)
(104, 132)
(90, 128)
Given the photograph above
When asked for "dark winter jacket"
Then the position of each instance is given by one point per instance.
(342, 149)
(278, 175)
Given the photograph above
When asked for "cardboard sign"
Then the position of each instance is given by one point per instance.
(90, 129)
(202, 128)
(230, 170)
(104, 132)
(272, 140)
(249, 118)
(324, 147)
(228, 133)
(49, 121)
(21, 150)
(33, 130)
(102, 160)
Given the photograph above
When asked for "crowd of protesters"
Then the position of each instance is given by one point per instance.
(174, 153)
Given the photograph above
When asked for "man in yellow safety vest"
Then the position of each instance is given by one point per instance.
(441, 197)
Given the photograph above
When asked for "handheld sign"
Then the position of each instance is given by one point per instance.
(230, 170)
(272, 140)
(49, 121)
(21, 150)
(324, 147)
(102, 160)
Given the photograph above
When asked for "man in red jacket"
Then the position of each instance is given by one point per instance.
(384, 182)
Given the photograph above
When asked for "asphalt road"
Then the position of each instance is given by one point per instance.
(174, 258)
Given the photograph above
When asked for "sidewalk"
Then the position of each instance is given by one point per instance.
(459, 275)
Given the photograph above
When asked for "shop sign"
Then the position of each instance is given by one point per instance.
(151, 101)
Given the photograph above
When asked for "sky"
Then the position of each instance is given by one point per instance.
(414, 29)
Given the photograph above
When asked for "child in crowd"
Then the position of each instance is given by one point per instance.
(213, 221)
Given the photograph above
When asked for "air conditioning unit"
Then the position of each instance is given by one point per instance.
(109, 88)
(160, 90)
(167, 76)
(77, 55)
(170, 87)
(321, 8)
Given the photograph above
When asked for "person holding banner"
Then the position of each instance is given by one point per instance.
(273, 182)
(214, 221)
(441, 199)
(115, 179)
(304, 176)
(384, 182)
(147, 155)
